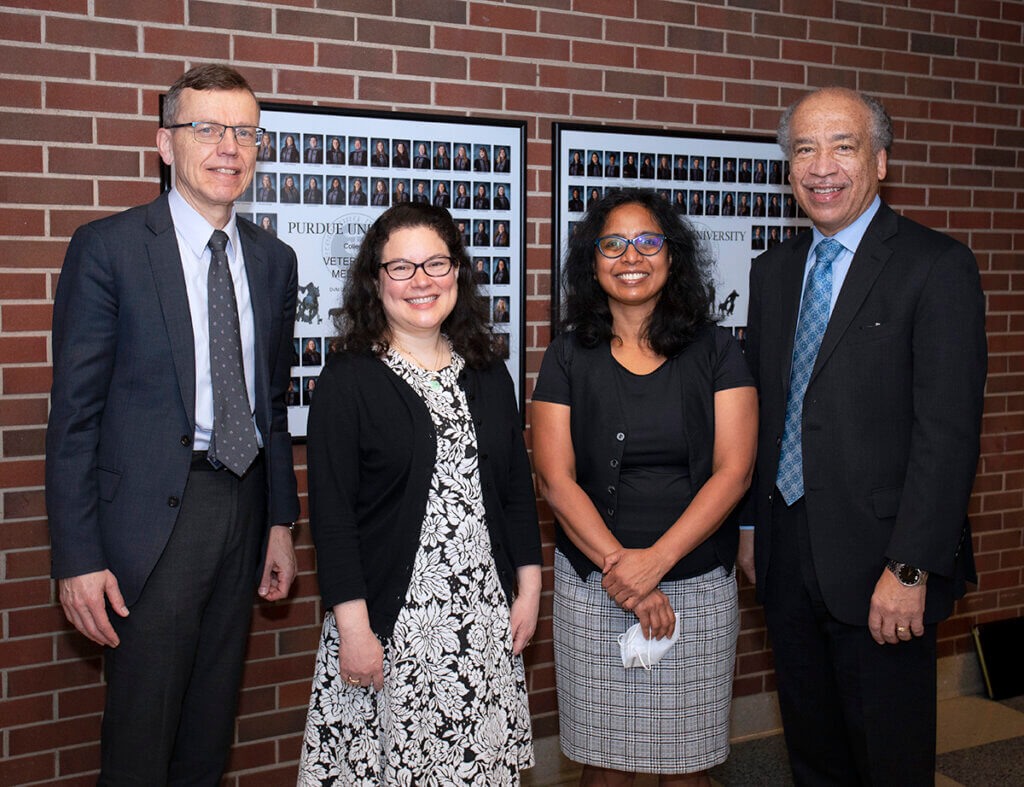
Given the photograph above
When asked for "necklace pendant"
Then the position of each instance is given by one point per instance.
(435, 384)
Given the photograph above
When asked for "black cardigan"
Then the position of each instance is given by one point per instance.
(599, 430)
(371, 449)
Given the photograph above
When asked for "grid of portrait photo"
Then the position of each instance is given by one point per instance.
(734, 191)
(319, 189)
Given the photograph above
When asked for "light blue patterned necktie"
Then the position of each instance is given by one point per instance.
(814, 313)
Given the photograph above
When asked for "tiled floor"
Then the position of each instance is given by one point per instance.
(980, 744)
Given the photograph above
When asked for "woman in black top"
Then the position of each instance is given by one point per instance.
(644, 432)
(423, 514)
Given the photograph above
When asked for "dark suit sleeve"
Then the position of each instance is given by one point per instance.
(284, 502)
(747, 509)
(950, 362)
(85, 313)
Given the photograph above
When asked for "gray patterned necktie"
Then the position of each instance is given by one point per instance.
(814, 313)
(233, 442)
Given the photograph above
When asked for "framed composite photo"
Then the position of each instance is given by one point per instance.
(323, 175)
(733, 189)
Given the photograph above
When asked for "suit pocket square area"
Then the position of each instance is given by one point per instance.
(873, 330)
(108, 481)
(886, 502)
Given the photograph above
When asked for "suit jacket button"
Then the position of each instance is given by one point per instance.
(186, 440)
(611, 512)
(611, 490)
(173, 502)
(620, 436)
(614, 463)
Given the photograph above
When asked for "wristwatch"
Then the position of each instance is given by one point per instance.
(907, 575)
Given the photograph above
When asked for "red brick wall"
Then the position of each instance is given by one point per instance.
(79, 81)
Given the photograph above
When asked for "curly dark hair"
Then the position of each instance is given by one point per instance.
(362, 323)
(685, 302)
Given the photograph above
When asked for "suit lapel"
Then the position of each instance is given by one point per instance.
(257, 273)
(868, 261)
(791, 282)
(165, 263)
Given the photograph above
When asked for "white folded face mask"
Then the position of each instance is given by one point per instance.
(640, 652)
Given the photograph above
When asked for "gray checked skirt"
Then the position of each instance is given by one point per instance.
(672, 719)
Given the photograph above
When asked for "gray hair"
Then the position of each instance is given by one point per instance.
(212, 76)
(881, 123)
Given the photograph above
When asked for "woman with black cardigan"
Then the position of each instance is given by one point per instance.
(644, 429)
(423, 514)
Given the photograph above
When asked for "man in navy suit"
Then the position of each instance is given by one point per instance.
(867, 341)
(161, 512)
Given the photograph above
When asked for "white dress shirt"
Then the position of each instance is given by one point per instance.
(193, 233)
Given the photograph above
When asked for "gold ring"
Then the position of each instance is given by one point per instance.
(354, 681)
(902, 628)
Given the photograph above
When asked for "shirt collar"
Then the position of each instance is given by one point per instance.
(852, 235)
(193, 229)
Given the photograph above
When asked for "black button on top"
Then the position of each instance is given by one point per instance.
(620, 436)
(173, 502)
(186, 440)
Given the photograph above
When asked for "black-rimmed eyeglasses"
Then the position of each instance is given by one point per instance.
(403, 270)
(212, 133)
(614, 246)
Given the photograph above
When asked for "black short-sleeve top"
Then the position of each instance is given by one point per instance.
(643, 443)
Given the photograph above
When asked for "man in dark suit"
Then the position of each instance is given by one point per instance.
(867, 341)
(357, 156)
(313, 154)
(169, 464)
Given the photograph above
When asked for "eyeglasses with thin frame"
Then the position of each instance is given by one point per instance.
(211, 133)
(614, 246)
(403, 270)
